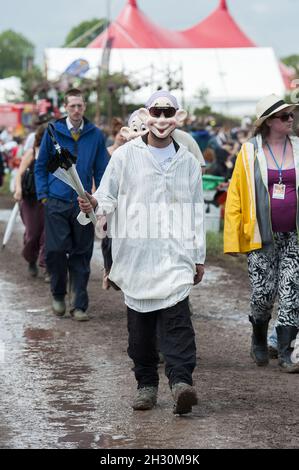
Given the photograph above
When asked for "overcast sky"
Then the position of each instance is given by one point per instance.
(267, 22)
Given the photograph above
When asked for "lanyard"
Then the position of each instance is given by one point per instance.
(282, 161)
(275, 161)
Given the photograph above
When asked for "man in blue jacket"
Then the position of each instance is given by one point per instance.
(69, 245)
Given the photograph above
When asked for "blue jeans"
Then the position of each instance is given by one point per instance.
(69, 247)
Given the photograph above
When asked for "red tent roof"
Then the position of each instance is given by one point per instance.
(132, 29)
(218, 30)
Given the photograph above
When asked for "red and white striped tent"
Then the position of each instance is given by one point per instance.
(215, 55)
(219, 30)
(132, 29)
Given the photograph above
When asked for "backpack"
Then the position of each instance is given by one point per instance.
(28, 183)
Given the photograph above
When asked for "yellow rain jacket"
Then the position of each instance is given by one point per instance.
(241, 229)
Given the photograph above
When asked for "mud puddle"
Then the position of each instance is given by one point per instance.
(70, 385)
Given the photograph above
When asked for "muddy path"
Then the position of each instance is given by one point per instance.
(69, 385)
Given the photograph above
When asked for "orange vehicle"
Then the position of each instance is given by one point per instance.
(20, 116)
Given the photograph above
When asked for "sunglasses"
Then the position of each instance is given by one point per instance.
(167, 111)
(284, 117)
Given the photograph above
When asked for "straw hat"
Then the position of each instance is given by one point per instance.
(268, 106)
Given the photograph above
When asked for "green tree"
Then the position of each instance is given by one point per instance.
(16, 53)
(33, 81)
(85, 32)
(105, 95)
(292, 61)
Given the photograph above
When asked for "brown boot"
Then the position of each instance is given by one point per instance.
(58, 307)
(145, 399)
(184, 396)
(79, 315)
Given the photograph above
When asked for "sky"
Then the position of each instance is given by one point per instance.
(46, 24)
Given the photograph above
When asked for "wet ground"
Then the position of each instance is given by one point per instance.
(69, 385)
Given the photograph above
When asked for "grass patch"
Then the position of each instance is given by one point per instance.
(214, 244)
(215, 253)
(6, 197)
(4, 189)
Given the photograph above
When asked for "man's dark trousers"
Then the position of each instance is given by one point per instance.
(69, 247)
(176, 342)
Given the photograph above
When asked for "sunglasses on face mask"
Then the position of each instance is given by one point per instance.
(284, 117)
(167, 111)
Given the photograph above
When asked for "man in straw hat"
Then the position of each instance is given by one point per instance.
(262, 220)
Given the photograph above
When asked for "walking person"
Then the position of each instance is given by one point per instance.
(2, 170)
(262, 220)
(160, 184)
(136, 127)
(118, 140)
(69, 245)
(32, 210)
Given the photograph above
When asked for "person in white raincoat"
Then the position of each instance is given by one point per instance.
(152, 187)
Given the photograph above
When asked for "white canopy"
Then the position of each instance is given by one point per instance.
(232, 79)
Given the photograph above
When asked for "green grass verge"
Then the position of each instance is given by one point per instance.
(215, 244)
(215, 253)
(4, 189)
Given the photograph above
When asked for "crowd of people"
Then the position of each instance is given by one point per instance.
(133, 180)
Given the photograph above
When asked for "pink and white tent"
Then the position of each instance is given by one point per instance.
(132, 29)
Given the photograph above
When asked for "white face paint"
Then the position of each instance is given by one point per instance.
(161, 126)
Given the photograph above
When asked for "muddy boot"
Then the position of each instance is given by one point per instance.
(273, 353)
(58, 307)
(184, 396)
(285, 336)
(259, 345)
(146, 398)
(79, 315)
(33, 269)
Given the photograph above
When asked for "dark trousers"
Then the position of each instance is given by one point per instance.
(69, 247)
(107, 252)
(32, 214)
(176, 342)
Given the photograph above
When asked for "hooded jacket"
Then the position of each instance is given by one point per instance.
(247, 225)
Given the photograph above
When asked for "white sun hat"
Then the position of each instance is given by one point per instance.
(268, 106)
